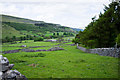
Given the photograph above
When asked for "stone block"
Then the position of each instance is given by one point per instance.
(6, 73)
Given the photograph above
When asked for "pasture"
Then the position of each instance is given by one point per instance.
(67, 63)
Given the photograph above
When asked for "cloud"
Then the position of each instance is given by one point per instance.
(73, 13)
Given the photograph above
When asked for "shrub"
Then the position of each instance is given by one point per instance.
(31, 38)
(54, 36)
(76, 40)
(38, 39)
(53, 33)
(57, 33)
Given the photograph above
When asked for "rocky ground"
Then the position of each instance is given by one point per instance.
(6, 73)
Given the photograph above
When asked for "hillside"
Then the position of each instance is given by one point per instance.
(24, 26)
(9, 31)
(7, 18)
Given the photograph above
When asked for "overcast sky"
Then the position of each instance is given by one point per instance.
(71, 13)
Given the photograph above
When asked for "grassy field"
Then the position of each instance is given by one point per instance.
(68, 63)
(70, 38)
(28, 44)
(9, 31)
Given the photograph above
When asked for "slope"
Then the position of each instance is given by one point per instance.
(8, 31)
(21, 25)
(8, 18)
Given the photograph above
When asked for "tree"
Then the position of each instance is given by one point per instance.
(14, 38)
(28, 37)
(53, 33)
(38, 39)
(92, 43)
(103, 31)
(21, 38)
(64, 33)
(57, 33)
(43, 35)
(71, 34)
(7, 39)
(34, 35)
(24, 38)
(94, 18)
(31, 38)
(118, 40)
(76, 41)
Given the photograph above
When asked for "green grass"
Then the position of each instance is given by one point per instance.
(70, 38)
(48, 34)
(6, 48)
(68, 63)
(69, 43)
(26, 41)
(8, 31)
(28, 44)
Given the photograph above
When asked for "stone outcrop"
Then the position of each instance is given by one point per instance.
(6, 73)
(113, 52)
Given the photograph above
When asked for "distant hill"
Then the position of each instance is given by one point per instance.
(77, 29)
(7, 18)
(16, 26)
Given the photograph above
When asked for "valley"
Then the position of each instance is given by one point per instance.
(42, 50)
(67, 63)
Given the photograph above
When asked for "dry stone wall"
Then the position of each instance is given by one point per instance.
(31, 50)
(113, 52)
(6, 73)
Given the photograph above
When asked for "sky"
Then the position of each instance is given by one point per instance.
(71, 13)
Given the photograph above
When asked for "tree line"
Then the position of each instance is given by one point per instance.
(104, 31)
(38, 37)
(21, 38)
